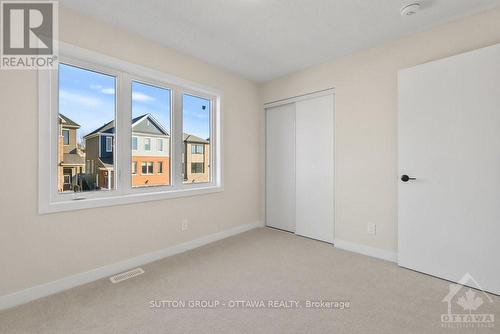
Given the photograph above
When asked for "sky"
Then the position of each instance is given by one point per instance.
(88, 98)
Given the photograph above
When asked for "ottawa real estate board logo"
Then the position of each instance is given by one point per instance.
(467, 308)
(28, 34)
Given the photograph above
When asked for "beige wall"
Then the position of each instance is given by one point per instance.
(37, 249)
(366, 119)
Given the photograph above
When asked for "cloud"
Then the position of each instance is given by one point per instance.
(108, 91)
(79, 99)
(203, 115)
(95, 87)
(141, 97)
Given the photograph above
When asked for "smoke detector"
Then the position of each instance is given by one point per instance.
(410, 10)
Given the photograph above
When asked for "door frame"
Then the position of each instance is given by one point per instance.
(294, 99)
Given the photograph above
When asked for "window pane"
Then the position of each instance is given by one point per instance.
(196, 113)
(197, 167)
(134, 143)
(86, 119)
(109, 144)
(65, 137)
(151, 127)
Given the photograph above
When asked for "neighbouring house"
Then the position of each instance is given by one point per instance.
(196, 159)
(150, 153)
(99, 156)
(70, 155)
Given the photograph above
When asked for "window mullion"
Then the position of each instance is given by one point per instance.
(177, 139)
(124, 133)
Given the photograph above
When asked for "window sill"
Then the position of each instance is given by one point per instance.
(81, 203)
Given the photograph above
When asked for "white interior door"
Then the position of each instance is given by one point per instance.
(314, 124)
(280, 167)
(449, 140)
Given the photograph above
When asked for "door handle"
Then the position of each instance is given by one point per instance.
(406, 178)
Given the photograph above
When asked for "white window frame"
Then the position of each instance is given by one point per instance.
(194, 148)
(110, 148)
(159, 144)
(136, 143)
(65, 131)
(147, 164)
(50, 200)
(136, 167)
(149, 141)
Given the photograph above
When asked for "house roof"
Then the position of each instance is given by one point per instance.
(107, 162)
(106, 128)
(68, 121)
(109, 127)
(73, 159)
(194, 139)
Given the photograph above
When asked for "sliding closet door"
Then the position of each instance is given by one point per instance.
(315, 168)
(280, 167)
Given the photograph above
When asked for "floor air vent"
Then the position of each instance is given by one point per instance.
(126, 275)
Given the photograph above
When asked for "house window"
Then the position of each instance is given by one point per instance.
(197, 168)
(147, 144)
(65, 134)
(109, 144)
(151, 115)
(80, 90)
(160, 167)
(81, 96)
(147, 168)
(196, 149)
(196, 120)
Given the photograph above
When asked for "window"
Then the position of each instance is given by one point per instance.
(87, 97)
(197, 149)
(147, 168)
(197, 167)
(151, 114)
(147, 144)
(109, 144)
(65, 134)
(86, 106)
(196, 120)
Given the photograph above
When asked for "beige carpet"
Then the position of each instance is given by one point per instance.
(262, 264)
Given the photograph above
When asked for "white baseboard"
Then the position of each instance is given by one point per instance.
(43, 290)
(366, 250)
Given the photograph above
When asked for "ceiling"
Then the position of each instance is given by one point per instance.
(265, 39)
